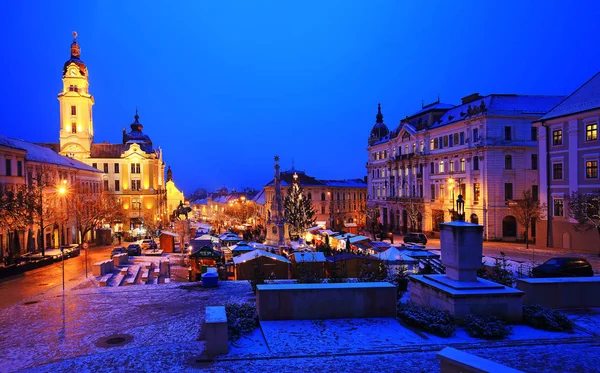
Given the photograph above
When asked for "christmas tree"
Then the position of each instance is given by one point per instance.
(299, 212)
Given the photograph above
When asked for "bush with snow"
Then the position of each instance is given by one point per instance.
(546, 318)
(242, 318)
(428, 319)
(486, 327)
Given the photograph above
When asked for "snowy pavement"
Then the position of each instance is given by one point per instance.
(161, 330)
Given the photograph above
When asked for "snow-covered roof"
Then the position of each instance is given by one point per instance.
(585, 98)
(437, 105)
(343, 236)
(228, 236)
(328, 232)
(169, 233)
(243, 247)
(309, 257)
(206, 237)
(258, 253)
(37, 153)
(394, 255)
(499, 104)
(349, 183)
(260, 198)
(358, 239)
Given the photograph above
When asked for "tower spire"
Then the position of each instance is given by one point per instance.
(137, 115)
(75, 51)
(379, 115)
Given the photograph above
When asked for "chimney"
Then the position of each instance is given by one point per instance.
(470, 98)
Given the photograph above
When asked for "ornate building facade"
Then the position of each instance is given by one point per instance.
(569, 149)
(27, 165)
(133, 170)
(337, 203)
(483, 149)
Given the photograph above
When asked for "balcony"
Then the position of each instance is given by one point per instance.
(405, 199)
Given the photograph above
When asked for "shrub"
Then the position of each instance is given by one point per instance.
(486, 327)
(372, 272)
(399, 278)
(546, 318)
(242, 318)
(427, 269)
(500, 272)
(308, 275)
(428, 319)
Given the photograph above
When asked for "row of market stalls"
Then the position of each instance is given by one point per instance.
(243, 260)
(265, 264)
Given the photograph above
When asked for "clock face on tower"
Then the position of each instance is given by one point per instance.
(73, 72)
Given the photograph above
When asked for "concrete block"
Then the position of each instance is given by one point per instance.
(577, 292)
(456, 361)
(215, 331)
(326, 301)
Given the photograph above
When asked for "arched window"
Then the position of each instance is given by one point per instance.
(509, 226)
(474, 219)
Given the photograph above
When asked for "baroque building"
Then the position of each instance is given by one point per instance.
(133, 170)
(483, 149)
(338, 204)
(27, 165)
(569, 149)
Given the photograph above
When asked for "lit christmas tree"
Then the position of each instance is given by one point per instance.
(299, 212)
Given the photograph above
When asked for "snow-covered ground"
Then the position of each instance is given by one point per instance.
(164, 322)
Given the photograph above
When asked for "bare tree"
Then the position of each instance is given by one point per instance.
(413, 212)
(40, 201)
(370, 215)
(527, 211)
(14, 215)
(150, 222)
(585, 208)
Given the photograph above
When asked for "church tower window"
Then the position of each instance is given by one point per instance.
(73, 110)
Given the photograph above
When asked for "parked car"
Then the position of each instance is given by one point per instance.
(118, 250)
(146, 244)
(564, 267)
(415, 238)
(134, 249)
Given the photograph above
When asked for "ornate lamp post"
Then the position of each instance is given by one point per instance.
(460, 207)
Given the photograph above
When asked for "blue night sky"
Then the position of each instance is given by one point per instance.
(223, 86)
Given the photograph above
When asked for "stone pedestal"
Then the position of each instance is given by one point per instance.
(215, 331)
(462, 249)
(273, 234)
(460, 291)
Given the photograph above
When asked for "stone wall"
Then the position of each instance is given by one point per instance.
(580, 292)
(326, 301)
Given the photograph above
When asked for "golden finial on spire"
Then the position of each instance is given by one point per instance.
(74, 34)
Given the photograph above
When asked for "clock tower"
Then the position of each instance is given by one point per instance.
(76, 129)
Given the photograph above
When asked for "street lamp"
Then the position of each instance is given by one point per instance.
(460, 206)
(62, 191)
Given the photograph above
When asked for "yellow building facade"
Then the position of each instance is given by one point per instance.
(133, 170)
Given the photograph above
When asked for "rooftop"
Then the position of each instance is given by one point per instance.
(585, 98)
